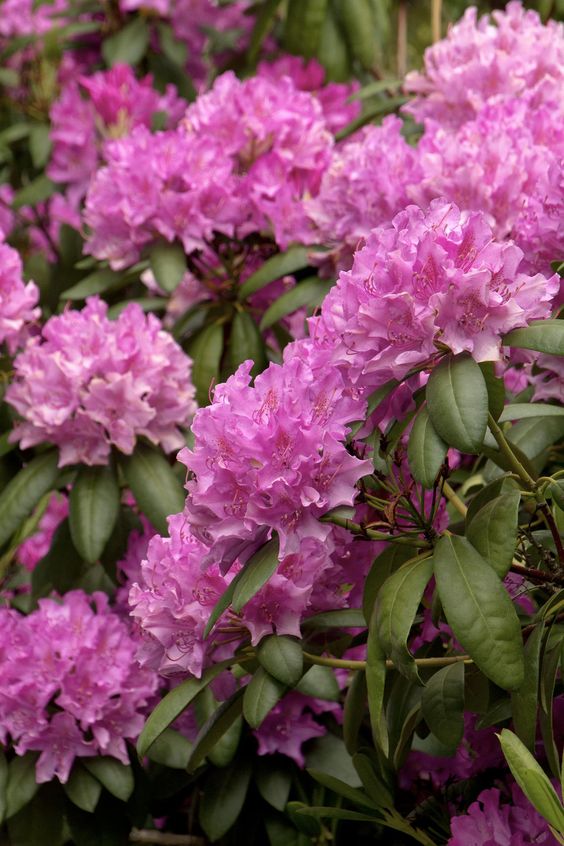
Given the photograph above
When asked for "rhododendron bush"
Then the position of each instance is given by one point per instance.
(281, 423)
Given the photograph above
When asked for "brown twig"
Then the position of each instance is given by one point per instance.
(535, 575)
(163, 838)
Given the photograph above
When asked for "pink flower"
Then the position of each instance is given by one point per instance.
(289, 725)
(36, 547)
(90, 383)
(18, 300)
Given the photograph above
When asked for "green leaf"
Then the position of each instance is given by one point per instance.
(171, 749)
(261, 695)
(116, 777)
(128, 45)
(546, 336)
(34, 192)
(306, 825)
(257, 571)
(59, 570)
(319, 682)
(173, 48)
(215, 727)
(282, 657)
(479, 611)
(383, 566)
(223, 798)
(494, 489)
(168, 263)
(341, 788)
(95, 283)
(354, 709)
(40, 822)
(495, 387)
(375, 684)
(332, 50)
(457, 402)
(3, 784)
(310, 292)
(549, 670)
(245, 343)
(295, 258)
(264, 21)
(396, 605)
(274, 780)
(23, 492)
(40, 145)
(339, 618)
(535, 435)
(371, 781)
(82, 788)
(94, 508)
(206, 349)
(329, 755)
(22, 785)
(493, 531)
(532, 780)
(156, 489)
(304, 22)
(337, 814)
(522, 410)
(360, 31)
(426, 451)
(442, 704)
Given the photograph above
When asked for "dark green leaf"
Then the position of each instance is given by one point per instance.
(521, 410)
(95, 283)
(307, 825)
(246, 343)
(171, 749)
(493, 531)
(494, 489)
(426, 451)
(223, 798)
(61, 569)
(274, 780)
(442, 704)
(535, 435)
(22, 785)
(261, 695)
(319, 682)
(375, 683)
(282, 657)
(82, 788)
(35, 192)
(128, 45)
(354, 710)
(281, 832)
(359, 29)
(295, 258)
(495, 387)
(384, 565)
(371, 781)
(40, 145)
(304, 22)
(257, 571)
(40, 822)
(168, 263)
(337, 814)
(94, 508)
(329, 755)
(457, 401)
(332, 50)
(219, 722)
(172, 47)
(546, 336)
(310, 292)
(341, 788)
(154, 485)
(116, 777)
(3, 784)
(549, 670)
(340, 618)
(206, 349)
(479, 611)
(264, 21)
(23, 492)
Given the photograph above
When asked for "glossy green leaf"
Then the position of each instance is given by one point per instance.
(116, 777)
(493, 531)
(82, 788)
(328, 754)
(341, 788)
(154, 485)
(522, 410)
(304, 22)
(479, 611)
(426, 451)
(490, 491)
(171, 749)
(535, 435)
(546, 336)
(273, 780)
(223, 798)
(532, 780)
(442, 704)
(309, 292)
(261, 695)
(22, 786)
(282, 657)
(168, 263)
(332, 50)
(354, 710)
(206, 349)
(127, 46)
(245, 342)
(264, 21)
(359, 29)
(495, 387)
(457, 402)
(372, 781)
(215, 727)
(94, 508)
(257, 571)
(95, 283)
(282, 264)
(35, 192)
(375, 684)
(319, 682)
(339, 618)
(556, 493)
(383, 566)
(23, 492)
(396, 605)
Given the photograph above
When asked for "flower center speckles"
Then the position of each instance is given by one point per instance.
(322, 409)
(238, 505)
(223, 454)
(269, 405)
(370, 283)
(473, 315)
(425, 281)
(401, 330)
(283, 449)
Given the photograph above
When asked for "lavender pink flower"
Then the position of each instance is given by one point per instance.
(18, 300)
(36, 547)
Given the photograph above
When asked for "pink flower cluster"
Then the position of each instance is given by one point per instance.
(36, 547)
(25, 17)
(18, 300)
(70, 687)
(242, 160)
(90, 383)
(92, 110)
(479, 63)
(290, 724)
(434, 276)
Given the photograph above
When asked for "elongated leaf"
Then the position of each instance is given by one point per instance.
(384, 565)
(4, 770)
(264, 22)
(493, 531)
(82, 788)
(274, 781)
(337, 814)
(332, 50)
(35, 192)
(220, 721)
(457, 402)
(171, 749)
(22, 786)
(41, 821)
(261, 695)
(95, 283)
(223, 798)
(535, 435)
(155, 487)
(522, 410)
(495, 387)
(168, 263)
(94, 508)
(532, 780)
(488, 492)
(23, 492)
(128, 45)
(283, 658)
(371, 781)
(246, 343)
(546, 336)
(426, 451)
(341, 788)
(375, 683)
(310, 292)
(304, 22)
(442, 704)
(116, 777)
(61, 569)
(396, 605)
(480, 611)
(295, 258)
(319, 682)
(548, 672)
(359, 29)
(339, 618)
(354, 710)
(206, 350)
(256, 573)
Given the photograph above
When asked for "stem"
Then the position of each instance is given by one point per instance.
(436, 14)
(343, 664)
(163, 838)
(357, 529)
(402, 39)
(504, 447)
(453, 497)
(536, 575)
(553, 528)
